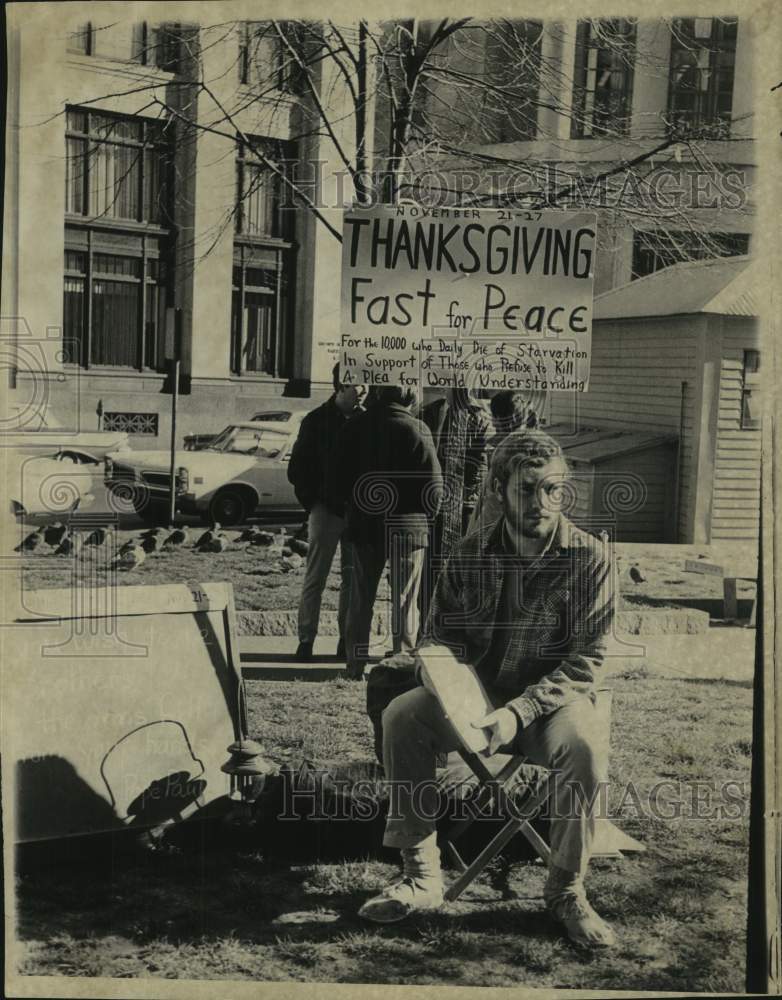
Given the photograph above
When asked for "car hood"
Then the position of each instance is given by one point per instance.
(197, 462)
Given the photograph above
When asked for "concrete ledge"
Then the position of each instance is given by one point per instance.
(286, 622)
(667, 621)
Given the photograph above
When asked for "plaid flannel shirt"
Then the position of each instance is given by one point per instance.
(553, 648)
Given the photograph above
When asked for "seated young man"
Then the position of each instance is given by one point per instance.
(528, 604)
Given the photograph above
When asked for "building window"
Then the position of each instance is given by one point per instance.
(750, 391)
(703, 54)
(81, 39)
(263, 202)
(260, 307)
(264, 262)
(114, 305)
(159, 45)
(653, 251)
(116, 167)
(602, 95)
(260, 54)
(265, 60)
(512, 61)
(117, 256)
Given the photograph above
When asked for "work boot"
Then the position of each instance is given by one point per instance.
(418, 888)
(405, 895)
(567, 903)
(304, 652)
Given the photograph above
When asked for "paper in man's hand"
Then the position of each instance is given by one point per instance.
(460, 693)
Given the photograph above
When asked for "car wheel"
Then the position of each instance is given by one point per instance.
(228, 507)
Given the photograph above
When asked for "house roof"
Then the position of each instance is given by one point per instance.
(598, 444)
(726, 286)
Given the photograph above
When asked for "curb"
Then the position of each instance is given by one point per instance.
(665, 621)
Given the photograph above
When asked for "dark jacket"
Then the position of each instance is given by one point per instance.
(388, 469)
(312, 468)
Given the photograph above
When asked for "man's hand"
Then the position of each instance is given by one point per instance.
(399, 661)
(503, 724)
(409, 661)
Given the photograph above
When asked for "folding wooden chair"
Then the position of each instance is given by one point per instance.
(463, 700)
(493, 793)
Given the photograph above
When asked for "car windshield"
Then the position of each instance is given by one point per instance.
(275, 416)
(260, 442)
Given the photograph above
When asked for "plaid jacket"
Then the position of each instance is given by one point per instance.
(555, 645)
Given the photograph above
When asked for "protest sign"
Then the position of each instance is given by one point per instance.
(491, 298)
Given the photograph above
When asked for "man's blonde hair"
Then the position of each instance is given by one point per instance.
(523, 448)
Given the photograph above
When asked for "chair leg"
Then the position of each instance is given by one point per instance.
(492, 849)
(494, 786)
(485, 793)
(457, 859)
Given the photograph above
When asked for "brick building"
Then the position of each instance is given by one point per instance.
(119, 217)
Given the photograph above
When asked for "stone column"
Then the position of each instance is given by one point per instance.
(650, 78)
(558, 47)
(206, 174)
(743, 84)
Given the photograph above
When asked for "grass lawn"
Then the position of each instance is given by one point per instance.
(239, 913)
(258, 588)
(246, 567)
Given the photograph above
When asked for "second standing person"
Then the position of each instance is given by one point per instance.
(461, 429)
(392, 483)
(313, 472)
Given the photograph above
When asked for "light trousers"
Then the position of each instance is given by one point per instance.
(326, 531)
(571, 742)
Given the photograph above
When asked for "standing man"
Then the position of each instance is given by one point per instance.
(391, 481)
(461, 429)
(313, 472)
(528, 605)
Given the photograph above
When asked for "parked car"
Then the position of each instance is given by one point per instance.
(197, 442)
(244, 468)
(51, 438)
(37, 484)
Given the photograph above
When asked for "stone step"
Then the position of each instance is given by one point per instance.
(273, 657)
(644, 621)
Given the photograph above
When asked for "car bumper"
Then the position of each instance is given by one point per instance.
(185, 502)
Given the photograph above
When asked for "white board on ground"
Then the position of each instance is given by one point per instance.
(119, 717)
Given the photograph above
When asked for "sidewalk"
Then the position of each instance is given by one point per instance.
(719, 654)
(273, 658)
(722, 653)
